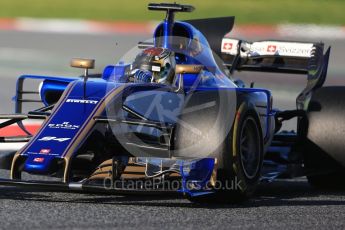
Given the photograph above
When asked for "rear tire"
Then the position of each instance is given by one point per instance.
(324, 146)
(325, 172)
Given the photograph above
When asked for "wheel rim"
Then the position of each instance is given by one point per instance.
(250, 151)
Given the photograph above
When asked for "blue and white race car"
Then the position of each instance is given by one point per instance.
(174, 119)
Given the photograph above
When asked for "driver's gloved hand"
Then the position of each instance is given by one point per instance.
(142, 76)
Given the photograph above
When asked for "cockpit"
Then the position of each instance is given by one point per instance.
(178, 50)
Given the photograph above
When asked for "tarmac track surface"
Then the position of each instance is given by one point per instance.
(282, 204)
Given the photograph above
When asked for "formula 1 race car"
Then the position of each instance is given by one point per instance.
(173, 119)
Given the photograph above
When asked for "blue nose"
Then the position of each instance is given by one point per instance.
(40, 164)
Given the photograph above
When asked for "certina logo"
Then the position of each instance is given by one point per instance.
(82, 101)
(59, 139)
(64, 125)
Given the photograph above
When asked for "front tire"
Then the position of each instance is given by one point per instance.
(242, 158)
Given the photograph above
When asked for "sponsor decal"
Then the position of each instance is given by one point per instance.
(262, 48)
(45, 151)
(281, 49)
(64, 125)
(59, 139)
(271, 48)
(80, 101)
(156, 68)
(227, 46)
(39, 159)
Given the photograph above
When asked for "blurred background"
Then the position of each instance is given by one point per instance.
(247, 11)
(41, 36)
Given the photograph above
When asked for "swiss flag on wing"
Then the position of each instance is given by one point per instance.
(227, 46)
(45, 151)
(39, 159)
(271, 48)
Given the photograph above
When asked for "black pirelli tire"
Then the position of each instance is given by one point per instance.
(324, 147)
(242, 155)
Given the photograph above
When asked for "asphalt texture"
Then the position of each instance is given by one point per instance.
(290, 204)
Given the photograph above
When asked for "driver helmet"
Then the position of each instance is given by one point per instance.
(156, 62)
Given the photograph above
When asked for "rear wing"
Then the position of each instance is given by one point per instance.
(271, 56)
(281, 57)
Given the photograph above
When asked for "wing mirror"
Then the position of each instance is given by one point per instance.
(83, 64)
(181, 69)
